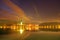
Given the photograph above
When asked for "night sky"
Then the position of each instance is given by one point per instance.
(30, 10)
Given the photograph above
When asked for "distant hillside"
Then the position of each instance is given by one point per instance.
(50, 23)
(7, 22)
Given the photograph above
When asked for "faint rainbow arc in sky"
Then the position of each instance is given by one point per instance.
(16, 9)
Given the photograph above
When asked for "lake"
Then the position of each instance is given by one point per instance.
(32, 36)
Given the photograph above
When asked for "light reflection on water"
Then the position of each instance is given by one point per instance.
(14, 36)
(21, 31)
(32, 36)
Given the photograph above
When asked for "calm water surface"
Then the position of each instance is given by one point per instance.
(32, 36)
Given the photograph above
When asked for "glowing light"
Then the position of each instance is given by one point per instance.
(14, 27)
(37, 28)
(59, 26)
(21, 23)
(29, 28)
(0, 26)
(4, 27)
(21, 31)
